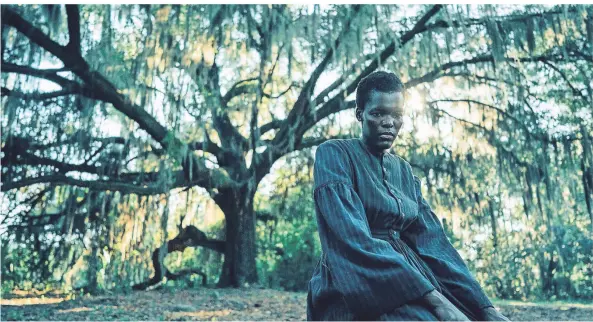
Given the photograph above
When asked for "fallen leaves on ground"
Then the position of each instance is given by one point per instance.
(221, 305)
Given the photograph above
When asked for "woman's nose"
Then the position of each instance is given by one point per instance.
(388, 122)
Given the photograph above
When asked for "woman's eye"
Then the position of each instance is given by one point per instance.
(376, 114)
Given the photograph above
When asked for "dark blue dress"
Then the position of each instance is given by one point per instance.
(383, 247)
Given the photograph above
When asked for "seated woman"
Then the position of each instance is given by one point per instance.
(385, 254)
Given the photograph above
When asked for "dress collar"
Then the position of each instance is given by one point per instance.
(379, 155)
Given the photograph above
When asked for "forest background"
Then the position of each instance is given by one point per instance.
(150, 146)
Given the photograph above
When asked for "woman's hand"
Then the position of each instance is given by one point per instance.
(491, 314)
(442, 308)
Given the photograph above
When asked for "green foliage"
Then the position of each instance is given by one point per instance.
(289, 247)
(499, 128)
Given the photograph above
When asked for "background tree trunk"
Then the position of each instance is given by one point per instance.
(240, 248)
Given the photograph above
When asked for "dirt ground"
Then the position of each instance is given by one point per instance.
(219, 305)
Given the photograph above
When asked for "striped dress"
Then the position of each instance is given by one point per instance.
(383, 247)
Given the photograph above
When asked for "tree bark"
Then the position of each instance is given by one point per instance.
(239, 267)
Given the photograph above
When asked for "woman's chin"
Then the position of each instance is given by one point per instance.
(384, 144)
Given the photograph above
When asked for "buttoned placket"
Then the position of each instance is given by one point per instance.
(397, 200)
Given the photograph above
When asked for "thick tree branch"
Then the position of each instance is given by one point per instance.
(237, 89)
(207, 146)
(338, 82)
(64, 167)
(31, 159)
(73, 27)
(103, 89)
(270, 96)
(476, 102)
(337, 102)
(74, 139)
(49, 74)
(272, 125)
(229, 135)
(12, 18)
(37, 96)
(418, 28)
(331, 107)
(271, 155)
(16, 153)
(178, 181)
(60, 179)
(302, 106)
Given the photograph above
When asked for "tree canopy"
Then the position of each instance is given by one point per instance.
(122, 124)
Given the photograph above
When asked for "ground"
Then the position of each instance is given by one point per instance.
(220, 304)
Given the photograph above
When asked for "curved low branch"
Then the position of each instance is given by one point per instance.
(189, 236)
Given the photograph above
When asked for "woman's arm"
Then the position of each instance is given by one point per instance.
(368, 273)
(427, 237)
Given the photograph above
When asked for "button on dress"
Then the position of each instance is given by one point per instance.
(383, 248)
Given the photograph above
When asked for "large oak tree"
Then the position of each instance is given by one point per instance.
(213, 96)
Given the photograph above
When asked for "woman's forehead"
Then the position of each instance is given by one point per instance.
(386, 100)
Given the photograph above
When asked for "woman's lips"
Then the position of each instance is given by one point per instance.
(386, 136)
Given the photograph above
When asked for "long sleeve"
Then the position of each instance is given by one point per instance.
(368, 273)
(427, 237)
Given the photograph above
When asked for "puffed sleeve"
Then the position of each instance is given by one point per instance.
(368, 273)
(427, 237)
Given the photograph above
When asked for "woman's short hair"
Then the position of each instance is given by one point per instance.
(379, 81)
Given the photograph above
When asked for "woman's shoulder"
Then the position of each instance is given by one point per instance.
(342, 143)
(337, 152)
(400, 163)
(338, 147)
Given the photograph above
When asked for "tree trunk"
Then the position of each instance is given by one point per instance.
(239, 266)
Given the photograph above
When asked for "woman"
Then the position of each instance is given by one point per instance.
(385, 255)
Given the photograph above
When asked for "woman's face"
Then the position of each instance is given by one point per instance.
(382, 118)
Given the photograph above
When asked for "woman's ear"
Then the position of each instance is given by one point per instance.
(359, 114)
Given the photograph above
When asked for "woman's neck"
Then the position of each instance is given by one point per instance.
(372, 150)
